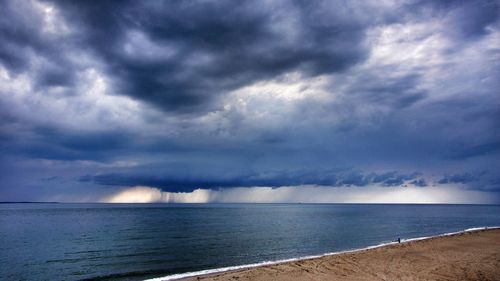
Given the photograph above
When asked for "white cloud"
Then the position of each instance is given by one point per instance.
(52, 22)
(304, 194)
(140, 46)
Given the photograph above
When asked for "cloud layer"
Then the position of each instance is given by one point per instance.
(303, 194)
(98, 96)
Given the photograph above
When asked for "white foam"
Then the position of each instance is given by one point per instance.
(246, 266)
(451, 233)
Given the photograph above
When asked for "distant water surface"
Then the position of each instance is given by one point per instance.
(135, 242)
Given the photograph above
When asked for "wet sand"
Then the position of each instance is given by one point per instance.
(471, 255)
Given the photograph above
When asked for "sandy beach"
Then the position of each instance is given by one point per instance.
(471, 255)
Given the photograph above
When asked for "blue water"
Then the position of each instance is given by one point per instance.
(134, 242)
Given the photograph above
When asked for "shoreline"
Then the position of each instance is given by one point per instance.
(241, 268)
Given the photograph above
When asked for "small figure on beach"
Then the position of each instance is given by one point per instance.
(399, 240)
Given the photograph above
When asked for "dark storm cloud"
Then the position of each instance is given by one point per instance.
(54, 144)
(396, 92)
(24, 44)
(395, 179)
(17, 35)
(215, 46)
(470, 19)
(153, 93)
(53, 178)
(55, 76)
(419, 182)
(175, 182)
(458, 178)
(475, 150)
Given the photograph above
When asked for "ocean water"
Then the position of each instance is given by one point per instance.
(136, 242)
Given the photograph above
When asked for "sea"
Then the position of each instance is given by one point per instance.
(166, 241)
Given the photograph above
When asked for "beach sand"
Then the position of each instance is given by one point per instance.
(471, 255)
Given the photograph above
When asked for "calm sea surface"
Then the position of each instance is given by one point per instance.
(134, 242)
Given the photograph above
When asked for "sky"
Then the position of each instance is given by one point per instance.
(250, 101)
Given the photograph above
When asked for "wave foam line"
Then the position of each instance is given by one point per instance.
(253, 265)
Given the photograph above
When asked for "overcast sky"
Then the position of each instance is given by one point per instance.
(250, 101)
